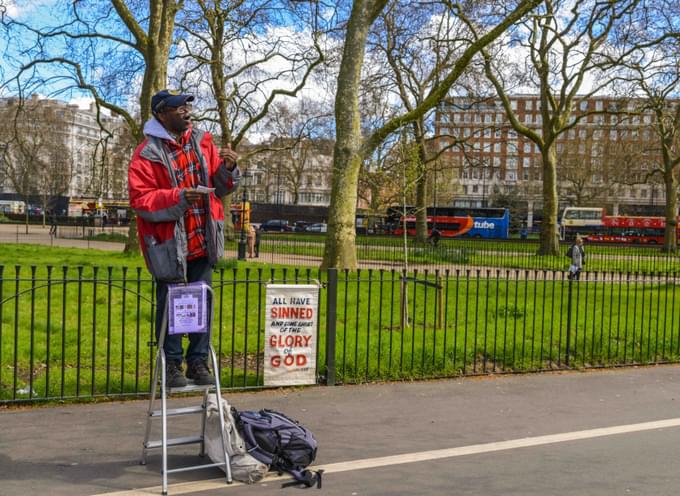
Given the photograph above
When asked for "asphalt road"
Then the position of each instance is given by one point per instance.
(611, 432)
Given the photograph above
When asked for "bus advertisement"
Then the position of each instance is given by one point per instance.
(595, 225)
(454, 222)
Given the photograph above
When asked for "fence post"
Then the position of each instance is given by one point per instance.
(331, 320)
(567, 342)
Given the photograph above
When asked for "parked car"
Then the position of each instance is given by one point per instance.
(300, 225)
(276, 225)
(320, 228)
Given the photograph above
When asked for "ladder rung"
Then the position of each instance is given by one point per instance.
(174, 442)
(196, 467)
(190, 387)
(171, 412)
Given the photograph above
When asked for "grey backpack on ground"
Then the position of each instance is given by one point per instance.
(244, 467)
(282, 443)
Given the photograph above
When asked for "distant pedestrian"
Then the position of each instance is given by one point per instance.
(53, 223)
(435, 236)
(523, 232)
(258, 233)
(577, 254)
(250, 236)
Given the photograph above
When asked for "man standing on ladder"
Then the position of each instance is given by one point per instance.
(175, 179)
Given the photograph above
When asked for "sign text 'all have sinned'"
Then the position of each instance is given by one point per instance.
(290, 334)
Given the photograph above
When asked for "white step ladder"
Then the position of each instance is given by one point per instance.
(153, 414)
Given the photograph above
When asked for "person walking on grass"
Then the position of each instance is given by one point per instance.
(180, 227)
(577, 254)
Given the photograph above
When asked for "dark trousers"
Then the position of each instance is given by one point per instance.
(197, 270)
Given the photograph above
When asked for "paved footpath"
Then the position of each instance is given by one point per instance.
(600, 433)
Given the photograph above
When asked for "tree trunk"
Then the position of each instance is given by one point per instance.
(229, 231)
(132, 242)
(670, 243)
(340, 251)
(421, 186)
(549, 235)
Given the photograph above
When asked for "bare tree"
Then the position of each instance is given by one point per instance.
(248, 70)
(657, 78)
(418, 48)
(114, 52)
(594, 161)
(561, 48)
(351, 148)
(35, 157)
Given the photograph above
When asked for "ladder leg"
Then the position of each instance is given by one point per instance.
(218, 397)
(204, 415)
(164, 428)
(152, 403)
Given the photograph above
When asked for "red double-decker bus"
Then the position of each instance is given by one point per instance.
(595, 225)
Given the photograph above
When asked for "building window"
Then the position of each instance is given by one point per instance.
(527, 147)
(511, 176)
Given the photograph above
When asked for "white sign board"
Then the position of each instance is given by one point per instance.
(290, 334)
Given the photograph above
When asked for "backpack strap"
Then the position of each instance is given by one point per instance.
(307, 477)
(249, 437)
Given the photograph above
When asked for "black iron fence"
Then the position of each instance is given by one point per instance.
(76, 332)
(387, 252)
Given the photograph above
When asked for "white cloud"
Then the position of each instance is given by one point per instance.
(23, 8)
(82, 102)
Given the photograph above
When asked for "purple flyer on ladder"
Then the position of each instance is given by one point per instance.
(188, 308)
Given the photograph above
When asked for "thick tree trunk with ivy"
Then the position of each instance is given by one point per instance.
(670, 243)
(550, 243)
(340, 251)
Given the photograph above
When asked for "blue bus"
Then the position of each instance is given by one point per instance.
(453, 222)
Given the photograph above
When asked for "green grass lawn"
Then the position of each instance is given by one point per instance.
(84, 331)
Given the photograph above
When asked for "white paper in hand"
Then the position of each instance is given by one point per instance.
(204, 189)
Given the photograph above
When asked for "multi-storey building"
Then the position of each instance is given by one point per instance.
(605, 159)
(79, 148)
(299, 175)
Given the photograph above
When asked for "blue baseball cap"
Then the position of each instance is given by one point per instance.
(169, 98)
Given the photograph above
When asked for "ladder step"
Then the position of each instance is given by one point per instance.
(191, 386)
(171, 412)
(196, 467)
(178, 441)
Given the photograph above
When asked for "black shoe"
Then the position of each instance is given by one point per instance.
(173, 375)
(198, 371)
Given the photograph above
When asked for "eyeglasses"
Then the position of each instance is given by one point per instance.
(184, 109)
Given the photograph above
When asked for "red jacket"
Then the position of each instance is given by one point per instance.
(160, 204)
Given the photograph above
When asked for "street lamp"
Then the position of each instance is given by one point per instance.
(245, 178)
